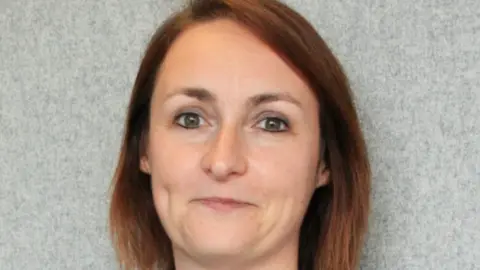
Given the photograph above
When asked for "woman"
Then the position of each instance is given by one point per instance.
(242, 147)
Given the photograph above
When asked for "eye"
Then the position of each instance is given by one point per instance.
(189, 120)
(273, 124)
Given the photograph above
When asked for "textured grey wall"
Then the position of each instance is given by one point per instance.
(66, 69)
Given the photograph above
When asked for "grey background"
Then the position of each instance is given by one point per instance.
(67, 68)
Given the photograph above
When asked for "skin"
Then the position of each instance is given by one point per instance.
(231, 119)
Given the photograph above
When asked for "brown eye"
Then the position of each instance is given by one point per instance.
(189, 120)
(273, 124)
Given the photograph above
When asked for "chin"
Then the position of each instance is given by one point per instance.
(219, 238)
(217, 249)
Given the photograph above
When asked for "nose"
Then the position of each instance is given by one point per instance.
(225, 155)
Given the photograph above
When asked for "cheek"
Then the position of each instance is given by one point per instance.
(287, 173)
(173, 162)
(286, 181)
(173, 168)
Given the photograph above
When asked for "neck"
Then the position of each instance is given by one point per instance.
(285, 258)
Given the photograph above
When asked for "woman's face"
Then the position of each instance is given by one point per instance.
(233, 148)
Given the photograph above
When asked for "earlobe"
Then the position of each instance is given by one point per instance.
(144, 165)
(323, 175)
(144, 161)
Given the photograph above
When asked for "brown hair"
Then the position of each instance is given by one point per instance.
(334, 226)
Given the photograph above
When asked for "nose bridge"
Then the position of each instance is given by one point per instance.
(224, 141)
(225, 154)
(225, 147)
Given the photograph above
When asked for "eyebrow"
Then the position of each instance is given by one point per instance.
(202, 94)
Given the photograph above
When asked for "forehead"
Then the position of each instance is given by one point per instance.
(222, 55)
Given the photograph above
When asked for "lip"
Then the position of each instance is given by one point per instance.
(222, 203)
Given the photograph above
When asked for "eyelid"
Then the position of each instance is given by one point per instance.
(193, 110)
(272, 114)
(276, 115)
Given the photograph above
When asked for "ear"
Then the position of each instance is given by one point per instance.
(323, 175)
(144, 160)
(144, 164)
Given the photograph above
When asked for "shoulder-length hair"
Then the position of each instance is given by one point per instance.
(333, 229)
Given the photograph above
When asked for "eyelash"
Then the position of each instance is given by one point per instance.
(285, 125)
(283, 121)
(179, 116)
